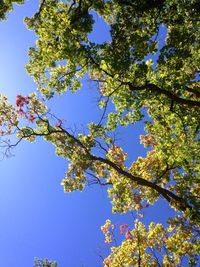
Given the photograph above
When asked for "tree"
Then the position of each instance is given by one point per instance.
(44, 263)
(6, 6)
(144, 78)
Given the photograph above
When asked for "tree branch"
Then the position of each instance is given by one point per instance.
(153, 88)
(168, 195)
(193, 91)
(157, 89)
(165, 193)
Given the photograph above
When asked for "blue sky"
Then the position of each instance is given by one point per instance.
(36, 218)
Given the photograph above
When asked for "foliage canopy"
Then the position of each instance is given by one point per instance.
(148, 71)
(44, 263)
(6, 6)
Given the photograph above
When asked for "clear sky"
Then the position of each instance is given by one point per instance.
(36, 218)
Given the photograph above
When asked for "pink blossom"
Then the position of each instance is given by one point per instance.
(21, 112)
(21, 100)
(122, 227)
(128, 235)
(59, 123)
(31, 118)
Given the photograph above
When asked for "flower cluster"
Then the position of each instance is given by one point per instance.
(107, 231)
(122, 227)
(128, 234)
(22, 101)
